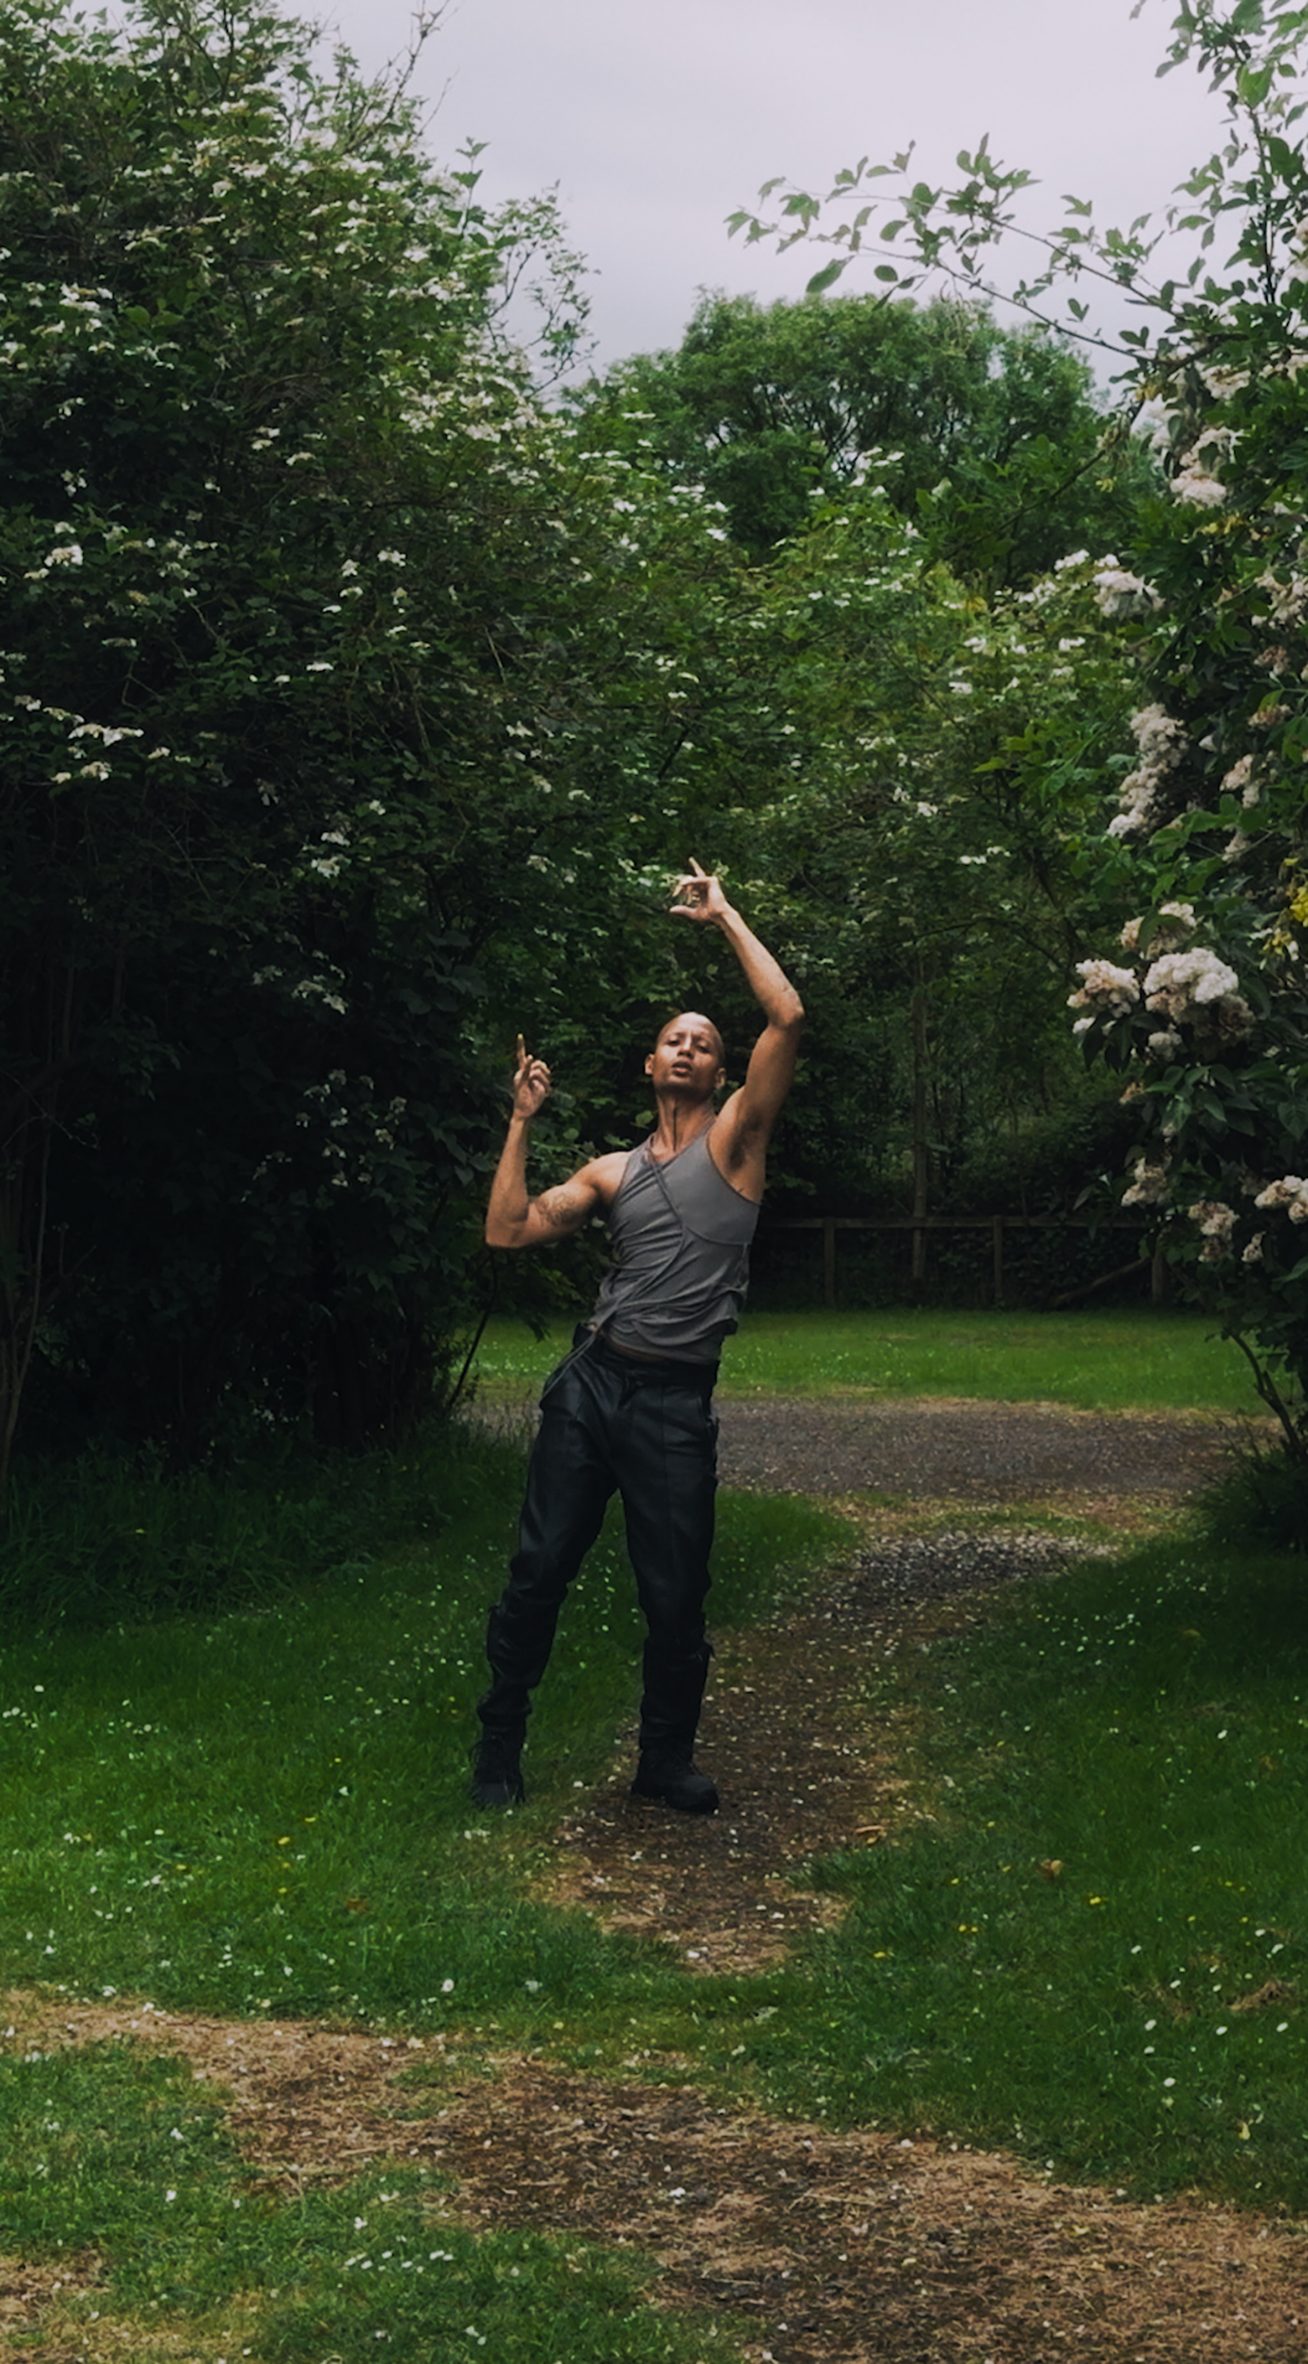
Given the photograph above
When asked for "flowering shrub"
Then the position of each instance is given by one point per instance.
(1208, 844)
(316, 646)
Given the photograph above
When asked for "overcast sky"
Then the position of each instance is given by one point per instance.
(656, 117)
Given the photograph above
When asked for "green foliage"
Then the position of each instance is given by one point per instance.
(988, 441)
(359, 704)
(1263, 1503)
(320, 656)
(1208, 1018)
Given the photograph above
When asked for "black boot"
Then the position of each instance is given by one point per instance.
(497, 1770)
(670, 1777)
(669, 1718)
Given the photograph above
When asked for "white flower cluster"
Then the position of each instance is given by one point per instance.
(1291, 1192)
(1239, 781)
(1118, 593)
(1180, 984)
(1178, 979)
(1160, 743)
(1105, 991)
(1216, 1223)
(1148, 1187)
(1192, 482)
(1223, 383)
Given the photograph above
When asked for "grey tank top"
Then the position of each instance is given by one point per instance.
(680, 1236)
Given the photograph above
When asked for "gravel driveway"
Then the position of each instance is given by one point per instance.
(945, 1448)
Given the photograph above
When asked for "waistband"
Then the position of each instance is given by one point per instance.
(682, 1373)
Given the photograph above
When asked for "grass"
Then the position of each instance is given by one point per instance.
(267, 1811)
(113, 2154)
(1093, 1953)
(1096, 1951)
(1113, 1361)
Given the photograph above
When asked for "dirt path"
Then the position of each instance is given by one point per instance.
(837, 2248)
(854, 2248)
(799, 1770)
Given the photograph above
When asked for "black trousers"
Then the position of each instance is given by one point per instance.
(611, 1423)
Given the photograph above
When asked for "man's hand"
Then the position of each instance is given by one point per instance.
(703, 896)
(531, 1084)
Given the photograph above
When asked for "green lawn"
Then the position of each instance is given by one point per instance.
(1113, 1361)
(1094, 1952)
(120, 2155)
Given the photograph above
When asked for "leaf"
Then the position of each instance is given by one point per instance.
(826, 277)
(888, 272)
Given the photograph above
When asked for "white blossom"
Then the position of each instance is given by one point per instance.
(1291, 1192)
(1216, 1223)
(1223, 383)
(1149, 1185)
(1178, 981)
(1119, 593)
(1102, 981)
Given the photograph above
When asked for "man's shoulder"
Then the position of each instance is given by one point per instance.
(604, 1174)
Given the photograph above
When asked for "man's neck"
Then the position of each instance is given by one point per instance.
(680, 1123)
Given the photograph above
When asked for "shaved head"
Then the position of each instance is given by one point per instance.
(695, 1018)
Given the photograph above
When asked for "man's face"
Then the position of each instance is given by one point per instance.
(687, 1058)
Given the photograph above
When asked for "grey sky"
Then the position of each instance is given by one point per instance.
(656, 117)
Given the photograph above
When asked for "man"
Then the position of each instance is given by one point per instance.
(630, 1408)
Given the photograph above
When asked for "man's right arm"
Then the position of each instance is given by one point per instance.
(513, 1218)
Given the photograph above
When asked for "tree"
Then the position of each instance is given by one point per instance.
(293, 564)
(990, 442)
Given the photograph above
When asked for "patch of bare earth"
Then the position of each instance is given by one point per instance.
(827, 2248)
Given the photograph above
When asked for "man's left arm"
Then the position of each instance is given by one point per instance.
(744, 1127)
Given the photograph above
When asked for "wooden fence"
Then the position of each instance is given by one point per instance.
(998, 1227)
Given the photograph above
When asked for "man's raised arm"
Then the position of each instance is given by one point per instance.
(513, 1218)
(747, 1120)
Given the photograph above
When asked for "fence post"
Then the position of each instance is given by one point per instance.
(1158, 1278)
(997, 1243)
(828, 1260)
